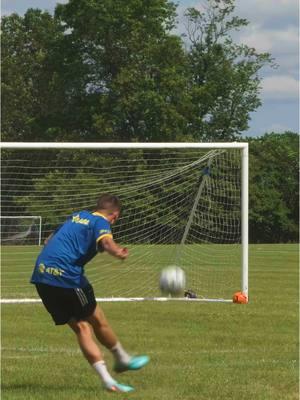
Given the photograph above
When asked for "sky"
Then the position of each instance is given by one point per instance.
(273, 27)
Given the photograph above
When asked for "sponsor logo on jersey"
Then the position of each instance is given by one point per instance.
(77, 220)
(50, 270)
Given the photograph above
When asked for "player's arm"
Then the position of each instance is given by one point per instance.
(108, 244)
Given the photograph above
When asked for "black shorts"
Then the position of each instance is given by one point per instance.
(64, 304)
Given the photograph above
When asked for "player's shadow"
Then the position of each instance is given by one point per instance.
(36, 390)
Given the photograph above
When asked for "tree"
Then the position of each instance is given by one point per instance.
(274, 188)
(137, 83)
(114, 71)
(31, 83)
(224, 81)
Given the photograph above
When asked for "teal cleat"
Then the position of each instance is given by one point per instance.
(136, 362)
(118, 387)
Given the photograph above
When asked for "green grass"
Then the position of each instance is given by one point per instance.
(138, 276)
(198, 350)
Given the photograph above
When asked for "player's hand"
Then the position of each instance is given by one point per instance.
(124, 253)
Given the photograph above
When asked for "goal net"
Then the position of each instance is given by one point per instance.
(182, 204)
(20, 230)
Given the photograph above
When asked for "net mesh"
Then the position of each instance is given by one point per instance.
(179, 207)
(20, 230)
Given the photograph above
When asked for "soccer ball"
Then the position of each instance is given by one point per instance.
(172, 280)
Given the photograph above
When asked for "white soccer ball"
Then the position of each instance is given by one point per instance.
(172, 280)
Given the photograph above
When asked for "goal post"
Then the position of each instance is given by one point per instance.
(184, 204)
(245, 218)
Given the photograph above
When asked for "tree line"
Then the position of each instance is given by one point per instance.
(117, 71)
(274, 188)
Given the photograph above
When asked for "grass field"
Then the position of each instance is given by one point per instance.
(212, 270)
(198, 350)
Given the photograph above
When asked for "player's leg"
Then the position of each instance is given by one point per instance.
(86, 343)
(107, 337)
(70, 306)
(102, 329)
(93, 355)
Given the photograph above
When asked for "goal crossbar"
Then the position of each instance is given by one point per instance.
(122, 145)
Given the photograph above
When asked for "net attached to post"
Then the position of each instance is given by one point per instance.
(179, 207)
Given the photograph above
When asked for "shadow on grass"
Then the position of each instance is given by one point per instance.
(36, 390)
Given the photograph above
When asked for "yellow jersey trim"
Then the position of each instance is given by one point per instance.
(104, 235)
(100, 215)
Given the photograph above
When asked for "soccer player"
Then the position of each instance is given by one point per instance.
(69, 297)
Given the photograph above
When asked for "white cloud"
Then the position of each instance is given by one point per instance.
(282, 87)
(273, 27)
(283, 40)
(269, 13)
(257, 11)
(281, 43)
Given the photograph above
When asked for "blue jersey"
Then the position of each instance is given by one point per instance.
(61, 262)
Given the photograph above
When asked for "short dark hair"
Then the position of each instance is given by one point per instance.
(108, 202)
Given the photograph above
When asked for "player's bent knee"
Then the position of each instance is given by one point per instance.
(80, 327)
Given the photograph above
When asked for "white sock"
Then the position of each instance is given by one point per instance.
(101, 370)
(120, 354)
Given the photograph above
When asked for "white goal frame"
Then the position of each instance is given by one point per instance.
(243, 146)
(27, 217)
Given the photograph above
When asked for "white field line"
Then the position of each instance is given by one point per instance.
(35, 352)
(69, 351)
(45, 350)
(125, 299)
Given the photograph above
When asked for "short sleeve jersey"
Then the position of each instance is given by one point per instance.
(62, 260)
